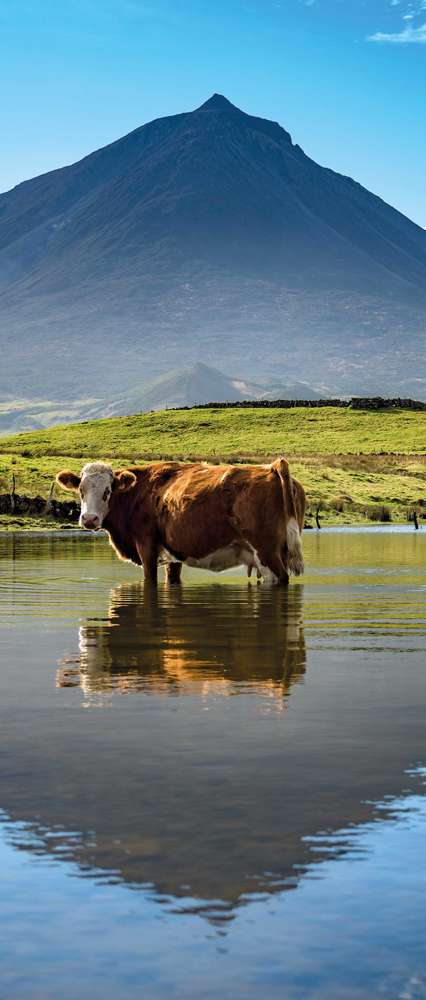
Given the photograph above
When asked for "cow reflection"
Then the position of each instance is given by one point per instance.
(175, 642)
(204, 800)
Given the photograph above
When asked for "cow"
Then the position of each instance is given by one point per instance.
(208, 516)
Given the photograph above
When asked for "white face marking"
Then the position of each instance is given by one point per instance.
(95, 491)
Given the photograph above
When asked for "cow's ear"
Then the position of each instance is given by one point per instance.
(68, 480)
(124, 480)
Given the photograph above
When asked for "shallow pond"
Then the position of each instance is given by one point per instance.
(218, 789)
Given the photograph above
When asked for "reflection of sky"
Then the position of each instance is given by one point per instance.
(353, 927)
(80, 75)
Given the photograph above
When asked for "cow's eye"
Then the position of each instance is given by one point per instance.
(106, 493)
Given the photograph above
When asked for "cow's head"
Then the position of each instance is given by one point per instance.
(95, 486)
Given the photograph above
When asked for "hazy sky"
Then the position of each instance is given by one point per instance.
(347, 78)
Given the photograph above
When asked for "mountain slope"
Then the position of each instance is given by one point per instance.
(201, 384)
(186, 387)
(205, 235)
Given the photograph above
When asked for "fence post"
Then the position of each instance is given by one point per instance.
(13, 495)
(48, 507)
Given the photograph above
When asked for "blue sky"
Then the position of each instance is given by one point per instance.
(347, 78)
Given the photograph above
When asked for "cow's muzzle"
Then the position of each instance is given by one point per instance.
(90, 521)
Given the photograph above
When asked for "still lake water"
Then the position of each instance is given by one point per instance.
(217, 790)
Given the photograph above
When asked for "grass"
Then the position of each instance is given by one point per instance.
(242, 433)
(351, 462)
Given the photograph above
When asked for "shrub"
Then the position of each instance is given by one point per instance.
(381, 514)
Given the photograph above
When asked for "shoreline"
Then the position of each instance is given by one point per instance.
(327, 527)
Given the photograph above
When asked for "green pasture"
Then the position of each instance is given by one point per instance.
(232, 434)
(351, 462)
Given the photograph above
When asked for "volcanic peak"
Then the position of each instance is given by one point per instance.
(217, 102)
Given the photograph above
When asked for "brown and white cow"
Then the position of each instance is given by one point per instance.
(209, 516)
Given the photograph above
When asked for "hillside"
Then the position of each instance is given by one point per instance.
(190, 386)
(201, 383)
(352, 461)
(207, 236)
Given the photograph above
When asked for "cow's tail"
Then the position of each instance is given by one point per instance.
(294, 545)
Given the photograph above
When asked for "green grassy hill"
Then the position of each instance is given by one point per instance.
(351, 461)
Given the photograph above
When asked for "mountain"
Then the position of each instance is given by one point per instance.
(187, 387)
(200, 383)
(206, 236)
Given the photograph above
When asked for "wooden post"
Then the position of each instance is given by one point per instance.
(48, 506)
(415, 519)
(13, 495)
(317, 516)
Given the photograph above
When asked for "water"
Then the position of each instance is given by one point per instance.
(215, 790)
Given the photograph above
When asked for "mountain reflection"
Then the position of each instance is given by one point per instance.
(173, 641)
(192, 748)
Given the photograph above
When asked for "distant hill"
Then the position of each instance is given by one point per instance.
(195, 384)
(187, 387)
(208, 235)
(202, 384)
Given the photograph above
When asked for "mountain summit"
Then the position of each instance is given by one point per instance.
(217, 102)
(206, 235)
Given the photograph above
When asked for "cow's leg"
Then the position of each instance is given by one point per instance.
(273, 562)
(173, 572)
(150, 567)
(148, 552)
